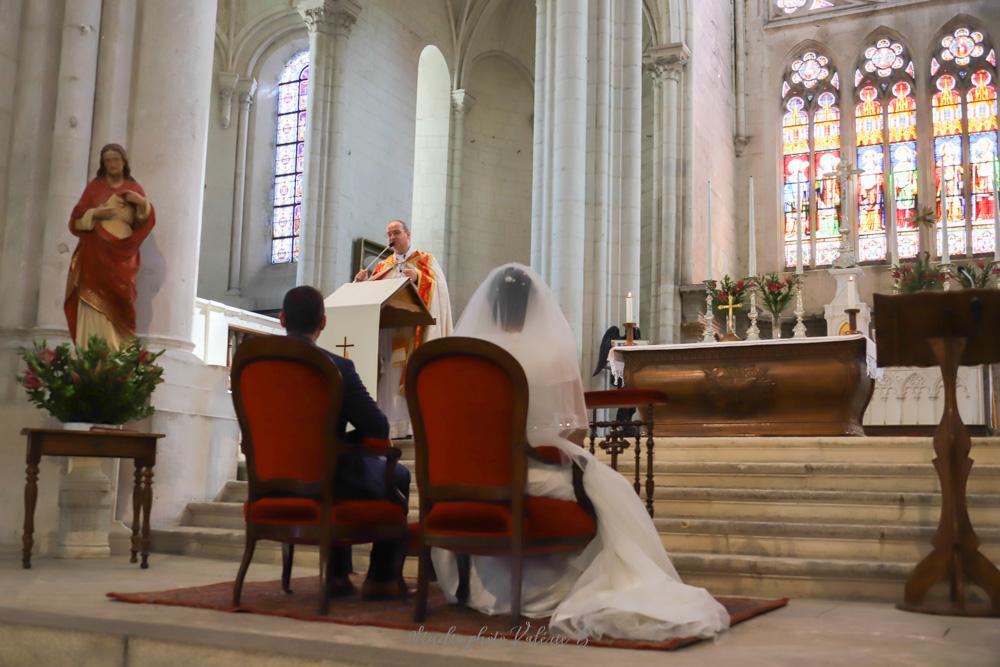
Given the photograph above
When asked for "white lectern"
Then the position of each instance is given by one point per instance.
(357, 311)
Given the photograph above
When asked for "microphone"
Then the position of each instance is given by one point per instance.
(377, 257)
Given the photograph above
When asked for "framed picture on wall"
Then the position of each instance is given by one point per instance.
(365, 250)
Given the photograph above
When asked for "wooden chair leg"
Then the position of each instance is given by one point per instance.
(248, 550)
(287, 556)
(464, 562)
(324, 575)
(423, 573)
(516, 568)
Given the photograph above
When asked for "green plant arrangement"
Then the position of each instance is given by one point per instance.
(95, 384)
(776, 292)
(976, 274)
(916, 276)
(723, 290)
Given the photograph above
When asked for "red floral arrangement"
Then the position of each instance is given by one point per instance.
(95, 384)
(722, 291)
(776, 291)
(917, 276)
(976, 274)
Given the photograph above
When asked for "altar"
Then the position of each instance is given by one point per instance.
(816, 386)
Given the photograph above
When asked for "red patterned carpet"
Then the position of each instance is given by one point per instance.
(266, 597)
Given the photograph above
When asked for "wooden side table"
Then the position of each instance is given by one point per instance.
(946, 329)
(140, 447)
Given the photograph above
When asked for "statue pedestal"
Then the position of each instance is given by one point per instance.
(836, 319)
(85, 502)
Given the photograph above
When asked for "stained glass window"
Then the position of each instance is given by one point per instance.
(810, 158)
(289, 158)
(792, 6)
(885, 122)
(964, 106)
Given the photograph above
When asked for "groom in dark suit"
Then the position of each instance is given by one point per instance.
(358, 477)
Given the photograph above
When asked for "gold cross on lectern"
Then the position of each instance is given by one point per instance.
(729, 315)
(344, 347)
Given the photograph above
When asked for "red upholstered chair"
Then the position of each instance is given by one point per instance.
(468, 401)
(288, 394)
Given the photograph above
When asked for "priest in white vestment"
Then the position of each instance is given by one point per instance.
(396, 345)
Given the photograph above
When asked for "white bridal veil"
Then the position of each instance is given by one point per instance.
(626, 586)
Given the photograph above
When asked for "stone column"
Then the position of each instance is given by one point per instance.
(167, 152)
(666, 66)
(614, 165)
(70, 156)
(322, 262)
(32, 117)
(167, 148)
(586, 179)
(114, 77)
(246, 89)
(461, 102)
(560, 157)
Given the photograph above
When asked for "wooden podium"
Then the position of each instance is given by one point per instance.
(946, 329)
(357, 311)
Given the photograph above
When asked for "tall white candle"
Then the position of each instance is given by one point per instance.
(628, 308)
(752, 240)
(890, 211)
(996, 210)
(708, 232)
(852, 293)
(798, 228)
(945, 253)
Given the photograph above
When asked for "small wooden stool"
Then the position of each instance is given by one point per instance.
(616, 441)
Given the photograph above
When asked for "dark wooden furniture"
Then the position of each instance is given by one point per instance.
(946, 329)
(468, 401)
(141, 447)
(811, 386)
(288, 394)
(616, 437)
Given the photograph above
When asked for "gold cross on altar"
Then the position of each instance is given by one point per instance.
(729, 315)
(344, 346)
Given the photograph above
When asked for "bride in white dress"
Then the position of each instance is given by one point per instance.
(623, 584)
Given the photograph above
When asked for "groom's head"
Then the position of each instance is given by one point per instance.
(302, 312)
(510, 291)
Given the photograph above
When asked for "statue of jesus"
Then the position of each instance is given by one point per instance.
(112, 219)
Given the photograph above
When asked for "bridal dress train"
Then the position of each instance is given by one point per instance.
(623, 584)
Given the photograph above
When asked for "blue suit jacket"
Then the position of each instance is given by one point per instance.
(359, 409)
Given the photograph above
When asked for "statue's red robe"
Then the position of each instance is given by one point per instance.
(103, 269)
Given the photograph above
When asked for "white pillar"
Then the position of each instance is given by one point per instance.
(588, 113)
(70, 159)
(666, 65)
(34, 96)
(167, 152)
(325, 255)
(558, 224)
(10, 34)
(246, 89)
(115, 58)
(461, 102)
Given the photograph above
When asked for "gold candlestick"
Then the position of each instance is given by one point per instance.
(630, 333)
(852, 319)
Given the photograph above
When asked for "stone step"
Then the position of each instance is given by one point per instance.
(913, 477)
(229, 515)
(809, 505)
(793, 577)
(228, 544)
(869, 542)
(894, 449)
